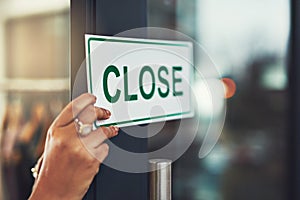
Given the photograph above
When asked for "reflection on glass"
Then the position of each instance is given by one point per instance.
(248, 42)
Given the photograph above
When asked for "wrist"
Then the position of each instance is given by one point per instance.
(41, 191)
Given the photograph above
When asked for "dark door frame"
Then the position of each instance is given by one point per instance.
(107, 17)
(294, 86)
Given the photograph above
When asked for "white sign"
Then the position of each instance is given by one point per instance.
(140, 80)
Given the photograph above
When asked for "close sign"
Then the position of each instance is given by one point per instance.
(140, 80)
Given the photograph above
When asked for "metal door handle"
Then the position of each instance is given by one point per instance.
(160, 179)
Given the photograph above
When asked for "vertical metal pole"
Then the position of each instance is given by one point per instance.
(160, 179)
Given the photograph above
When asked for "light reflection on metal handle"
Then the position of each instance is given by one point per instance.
(160, 179)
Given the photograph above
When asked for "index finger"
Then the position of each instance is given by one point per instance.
(70, 112)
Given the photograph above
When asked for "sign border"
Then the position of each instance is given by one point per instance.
(134, 41)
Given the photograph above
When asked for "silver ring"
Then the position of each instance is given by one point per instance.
(83, 129)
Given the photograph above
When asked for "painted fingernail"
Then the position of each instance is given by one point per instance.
(108, 112)
(94, 97)
(116, 128)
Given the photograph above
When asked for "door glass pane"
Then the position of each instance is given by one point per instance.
(248, 41)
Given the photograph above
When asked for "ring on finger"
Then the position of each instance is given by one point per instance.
(83, 129)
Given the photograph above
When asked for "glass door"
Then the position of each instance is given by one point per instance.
(248, 42)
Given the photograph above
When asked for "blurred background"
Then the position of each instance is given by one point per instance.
(247, 40)
(34, 85)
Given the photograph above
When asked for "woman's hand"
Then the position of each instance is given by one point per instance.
(71, 161)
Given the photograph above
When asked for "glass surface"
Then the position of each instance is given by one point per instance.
(34, 87)
(248, 41)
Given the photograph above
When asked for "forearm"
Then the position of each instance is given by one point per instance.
(42, 190)
(39, 193)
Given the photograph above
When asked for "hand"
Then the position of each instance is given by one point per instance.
(71, 161)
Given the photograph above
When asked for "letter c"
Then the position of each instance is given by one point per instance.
(109, 69)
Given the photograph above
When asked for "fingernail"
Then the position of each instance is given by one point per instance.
(95, 98)
(108, 112)
(116, 128)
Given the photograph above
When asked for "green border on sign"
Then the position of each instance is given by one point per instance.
(133, 42)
